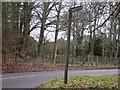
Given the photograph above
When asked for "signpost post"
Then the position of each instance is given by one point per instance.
(71, 10)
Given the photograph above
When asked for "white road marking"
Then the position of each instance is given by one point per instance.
(18, 77)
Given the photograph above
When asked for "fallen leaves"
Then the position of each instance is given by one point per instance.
(36, 67)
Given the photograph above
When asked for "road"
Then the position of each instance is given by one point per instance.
(31, 79)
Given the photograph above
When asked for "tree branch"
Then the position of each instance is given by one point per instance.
(118, 6)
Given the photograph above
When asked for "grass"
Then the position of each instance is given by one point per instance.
(86, 82)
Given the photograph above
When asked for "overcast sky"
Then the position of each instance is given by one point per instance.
(50, 35)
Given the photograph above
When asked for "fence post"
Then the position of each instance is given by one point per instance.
(97, 61)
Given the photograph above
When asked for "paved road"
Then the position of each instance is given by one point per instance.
(31, 79)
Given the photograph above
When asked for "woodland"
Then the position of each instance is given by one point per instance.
(36, 33)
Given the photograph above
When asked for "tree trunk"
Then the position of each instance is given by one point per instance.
(43, 21)
(56, 33)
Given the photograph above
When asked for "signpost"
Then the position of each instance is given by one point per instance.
(71, 10)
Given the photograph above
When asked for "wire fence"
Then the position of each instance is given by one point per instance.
(90, 60)
(81, 60)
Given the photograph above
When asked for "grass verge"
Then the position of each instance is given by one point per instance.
(86, 82)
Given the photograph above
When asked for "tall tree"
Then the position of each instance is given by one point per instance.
(17, 18)
(58, 9)
(43, 17)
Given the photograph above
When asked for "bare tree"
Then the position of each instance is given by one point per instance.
(57, 30)
(43, 17)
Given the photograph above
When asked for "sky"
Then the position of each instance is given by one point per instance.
(50, 35)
